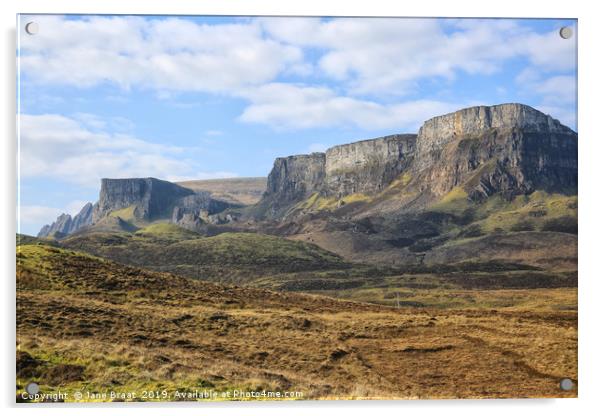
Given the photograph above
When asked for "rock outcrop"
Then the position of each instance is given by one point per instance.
(294, 178)
(150, 198)
(366, 166)
(192, 211)
(65, 224)
(474, 121)
(508, 148)
(361, 167)
(140, 200)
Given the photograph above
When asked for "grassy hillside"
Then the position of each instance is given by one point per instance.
(243, 191)
(89, 325)
(166, 231)
(235, 257)
(539, 211)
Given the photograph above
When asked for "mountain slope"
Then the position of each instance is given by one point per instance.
(479, 171)
(225, 257)
(464, 180)
(85, 323)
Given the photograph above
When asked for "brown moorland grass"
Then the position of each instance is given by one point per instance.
(108, 327)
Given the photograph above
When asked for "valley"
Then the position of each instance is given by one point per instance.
(441, 264)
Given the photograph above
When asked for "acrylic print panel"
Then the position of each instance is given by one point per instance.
(281, 208)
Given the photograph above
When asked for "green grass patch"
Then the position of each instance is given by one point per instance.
(165, 230)
(126, 214)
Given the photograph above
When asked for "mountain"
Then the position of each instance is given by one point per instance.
(128, 204)
(511, 149)
(146, 199)
(361, 167)
(467, 181)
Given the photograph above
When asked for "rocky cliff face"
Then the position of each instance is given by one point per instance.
(469, 122)
(151, 198)
(192, 211)
(65, 224)
(361, 167)
(292, 179)
(367, 166)
(146, 200)
(507, 148)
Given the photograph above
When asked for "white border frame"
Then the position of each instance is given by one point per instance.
(590, 150)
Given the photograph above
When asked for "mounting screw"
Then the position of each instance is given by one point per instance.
(32, 388)
(566, 384)
(32, 28)
(566, 32)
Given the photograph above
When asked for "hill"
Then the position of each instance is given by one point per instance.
(231, 257)
(482, 184)
(89, 325)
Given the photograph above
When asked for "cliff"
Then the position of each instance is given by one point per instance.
(150, 198)
(366, 166)
(361, 167)
(508, 148)
(292, 179)
(65, 224)
(139, 200)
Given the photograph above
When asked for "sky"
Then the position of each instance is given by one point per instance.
(205, 97)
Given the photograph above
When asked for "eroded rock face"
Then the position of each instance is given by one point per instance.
(62, 225)
(83, 218)
(148, 199)
(367, 166)
(65, 224)
(474, 121)
(294, 178)
(361, 167)
(507, 148)
(510, 149)
(192, 211)
(152, 198)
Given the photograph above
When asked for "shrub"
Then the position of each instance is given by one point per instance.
(524, 225)
(564, 224)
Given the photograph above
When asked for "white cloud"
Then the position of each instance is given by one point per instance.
(357, 66)
(558, 89)
(63, 148)
(292, 106)
(557, 94)
(38, 214)
(387, 55)
(162, 54)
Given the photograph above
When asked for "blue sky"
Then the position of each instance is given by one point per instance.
(207, 97)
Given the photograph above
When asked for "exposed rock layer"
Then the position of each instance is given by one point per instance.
(151, 198)
(508, 148)
(65, 224)
(366, 166)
